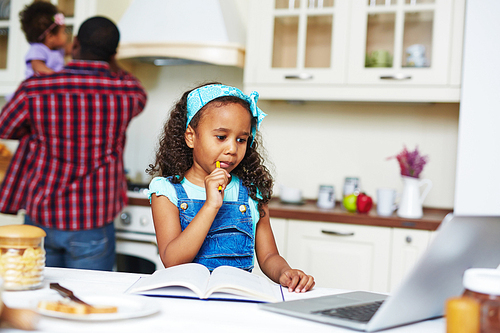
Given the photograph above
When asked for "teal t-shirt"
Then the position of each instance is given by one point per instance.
(161, 186)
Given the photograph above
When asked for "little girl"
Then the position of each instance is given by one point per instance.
(210, 202)
(45, 31)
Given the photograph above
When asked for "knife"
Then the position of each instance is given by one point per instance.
(67, 293)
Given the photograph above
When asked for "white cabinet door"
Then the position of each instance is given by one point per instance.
(294, 42)
(355, 50)
(342, 256)
(407, 247)
(382, 34)
(13, 46)
(280, 231)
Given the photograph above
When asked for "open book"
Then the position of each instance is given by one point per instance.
(195, 281)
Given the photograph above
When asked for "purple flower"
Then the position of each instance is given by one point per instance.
(411, 162)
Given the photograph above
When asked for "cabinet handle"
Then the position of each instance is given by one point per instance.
(301, 76)
(397, 77)
(337, 233)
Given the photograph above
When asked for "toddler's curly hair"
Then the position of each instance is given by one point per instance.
(36, 18)
(175, 158)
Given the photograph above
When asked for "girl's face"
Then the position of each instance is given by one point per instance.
(221, 135)
(57, 40)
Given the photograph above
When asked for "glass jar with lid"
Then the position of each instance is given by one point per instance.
(483, 285)
(22, 256)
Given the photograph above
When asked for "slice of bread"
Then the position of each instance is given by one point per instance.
(64, 307)
(75, 308)
(103, 309)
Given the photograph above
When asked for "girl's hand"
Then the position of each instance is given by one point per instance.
(218, 178)
(297, 281)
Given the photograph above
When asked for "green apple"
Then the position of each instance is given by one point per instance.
(350, 202)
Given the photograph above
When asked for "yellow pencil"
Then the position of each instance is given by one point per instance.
(217, 165)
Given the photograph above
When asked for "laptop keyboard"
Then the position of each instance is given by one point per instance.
(361, 313)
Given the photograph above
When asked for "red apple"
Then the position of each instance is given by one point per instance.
(364, 203)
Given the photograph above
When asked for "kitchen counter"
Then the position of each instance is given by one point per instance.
(176, 315)
(308, 211)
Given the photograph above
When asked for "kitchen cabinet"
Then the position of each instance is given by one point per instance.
(351, 256)
(280, 231)
(355, 50)
(298, 42)
(406, 248)
(13, 44)
(382, 33)
(343, 256)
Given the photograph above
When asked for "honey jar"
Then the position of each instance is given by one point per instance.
(462, 315)
(22, 256)
(483, 285)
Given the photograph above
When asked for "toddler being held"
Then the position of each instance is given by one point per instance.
(211, 191)
(45, 30)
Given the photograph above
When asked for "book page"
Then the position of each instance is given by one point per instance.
(239, 282)
(192, 276)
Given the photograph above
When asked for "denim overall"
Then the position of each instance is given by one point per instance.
(230, 240)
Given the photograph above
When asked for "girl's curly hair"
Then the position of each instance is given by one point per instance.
(175, 158)
(36, 18)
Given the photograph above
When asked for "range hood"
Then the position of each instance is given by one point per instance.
(168, 32)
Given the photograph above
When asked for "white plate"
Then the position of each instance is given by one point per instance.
(129, 306)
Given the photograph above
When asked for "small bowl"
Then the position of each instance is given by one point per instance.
(290, 195)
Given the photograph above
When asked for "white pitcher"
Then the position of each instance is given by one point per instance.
(410, 205)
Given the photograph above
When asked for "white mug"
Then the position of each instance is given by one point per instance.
(290, 194)
(386, 198)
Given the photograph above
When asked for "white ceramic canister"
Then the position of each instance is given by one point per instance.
(326, 197)
(351, 185)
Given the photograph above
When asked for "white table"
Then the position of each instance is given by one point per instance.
(178, 315)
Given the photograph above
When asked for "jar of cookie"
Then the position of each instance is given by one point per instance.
(22, 256)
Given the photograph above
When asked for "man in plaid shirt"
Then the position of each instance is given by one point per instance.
(68, 170)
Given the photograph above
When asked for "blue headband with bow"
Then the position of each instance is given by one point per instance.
(199, 97)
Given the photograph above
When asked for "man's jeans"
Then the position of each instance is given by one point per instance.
(84, 249)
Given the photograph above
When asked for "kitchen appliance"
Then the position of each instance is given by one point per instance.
(169, 32)
(136, 246)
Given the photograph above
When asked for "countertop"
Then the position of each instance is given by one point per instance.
(176, 315)
(308, 211)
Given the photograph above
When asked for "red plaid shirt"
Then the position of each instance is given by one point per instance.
(68, 169)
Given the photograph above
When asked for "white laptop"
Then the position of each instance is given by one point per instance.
(461, 242)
